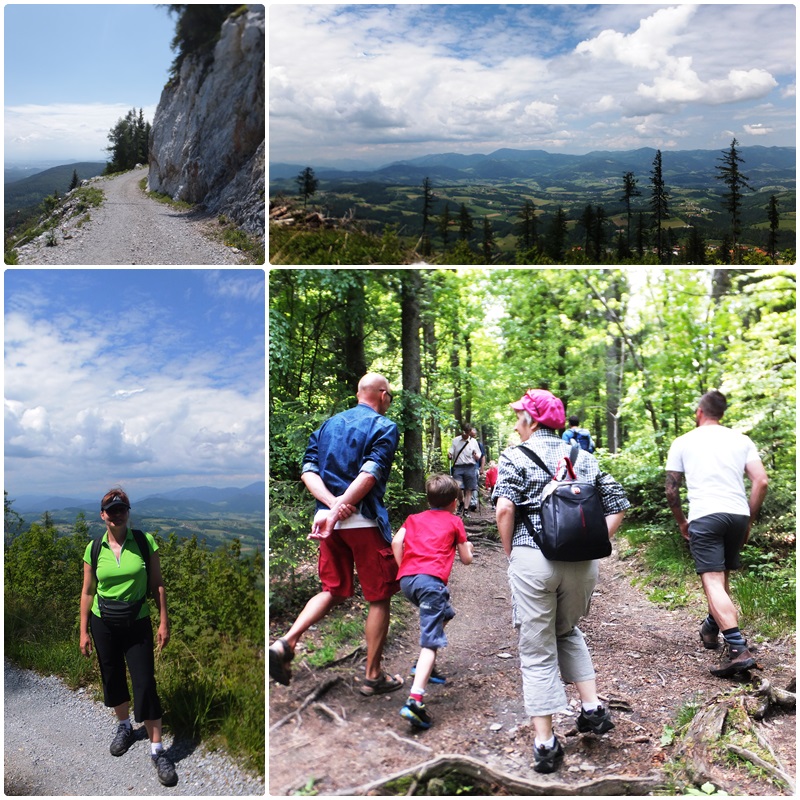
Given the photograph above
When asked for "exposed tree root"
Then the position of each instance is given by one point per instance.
(725, 716)
(489, 779)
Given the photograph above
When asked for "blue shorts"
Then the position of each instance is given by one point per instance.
(466, 475)
(716, 540)
(432, 597)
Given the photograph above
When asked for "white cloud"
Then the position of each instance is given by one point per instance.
(62, 129)
(757, 129)
(66, 416)
(516, 76)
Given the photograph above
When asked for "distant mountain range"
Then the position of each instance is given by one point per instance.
(763, 166)
(196, 502)
(32, 190)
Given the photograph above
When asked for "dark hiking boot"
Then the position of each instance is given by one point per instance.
(165, 769)
(597, 721)
(548, 759)
(709, 636)
(122, 740)
(736, 662)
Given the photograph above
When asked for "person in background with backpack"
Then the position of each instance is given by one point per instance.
(581, 435)
(550, 597)
(115, 616)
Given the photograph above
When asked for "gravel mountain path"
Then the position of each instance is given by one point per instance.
(56, 743)
(131, 228)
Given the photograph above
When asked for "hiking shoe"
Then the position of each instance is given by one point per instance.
(548, 759)
(436, 676)
(165, 769)
(416, 714)
(737, 662)
(597, 721)
(122, 740)
(709, 636)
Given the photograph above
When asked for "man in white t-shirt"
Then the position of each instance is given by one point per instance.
(714, 459)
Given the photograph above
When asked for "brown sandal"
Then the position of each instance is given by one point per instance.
(279, 660)
(383, 685)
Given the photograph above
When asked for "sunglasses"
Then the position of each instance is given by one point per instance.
(114, 510)
(391, 397)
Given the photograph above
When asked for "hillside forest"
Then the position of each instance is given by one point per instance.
(697, 212)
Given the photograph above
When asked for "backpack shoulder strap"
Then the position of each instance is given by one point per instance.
(533, 457)
(95, 555)
(144, 549)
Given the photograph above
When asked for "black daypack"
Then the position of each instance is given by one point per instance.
(574, 525)
(141, 543)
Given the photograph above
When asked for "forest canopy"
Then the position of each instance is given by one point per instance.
(628, 351)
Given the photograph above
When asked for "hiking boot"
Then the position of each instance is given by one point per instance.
(709, 636)
(122, 740)
(436, 676)
(548, 759)
(597, 721)
(416, 713)
(165, 769)
(737, 662)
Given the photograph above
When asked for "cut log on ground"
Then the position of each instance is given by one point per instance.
(488, 778)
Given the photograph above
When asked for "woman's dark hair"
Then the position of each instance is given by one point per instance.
(441, 490)
(713, 404)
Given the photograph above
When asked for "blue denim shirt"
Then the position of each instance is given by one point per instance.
(357, 440)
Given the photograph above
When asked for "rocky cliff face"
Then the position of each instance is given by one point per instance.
(207, 143)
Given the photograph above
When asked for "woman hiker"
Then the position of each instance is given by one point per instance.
(115, 616)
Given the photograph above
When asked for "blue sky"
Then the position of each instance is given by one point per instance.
(384, 82)
(152, 379)
(71, 71)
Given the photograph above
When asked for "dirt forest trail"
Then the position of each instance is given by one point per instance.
(649, 662)
(132, 228)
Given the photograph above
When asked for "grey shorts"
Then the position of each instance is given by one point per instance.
(716, 540)
(466, 476)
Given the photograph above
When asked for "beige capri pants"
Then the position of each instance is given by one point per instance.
(548, 600)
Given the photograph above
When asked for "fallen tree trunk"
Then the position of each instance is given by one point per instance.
(489, 778)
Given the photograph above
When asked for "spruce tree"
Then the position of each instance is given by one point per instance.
(75, 182)
(307, 184)
(736, 183)
(774, 223)
(629, 191)
(659, 206)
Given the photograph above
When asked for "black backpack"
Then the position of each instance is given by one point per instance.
(574, 524)
(141, 543)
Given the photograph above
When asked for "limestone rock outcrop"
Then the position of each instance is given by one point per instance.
(207, 142)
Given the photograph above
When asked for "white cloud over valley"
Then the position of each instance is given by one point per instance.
(377, 82)
(94, 397)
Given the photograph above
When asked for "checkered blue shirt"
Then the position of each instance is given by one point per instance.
(522, 480)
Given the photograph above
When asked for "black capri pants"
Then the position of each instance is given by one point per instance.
(132, 644)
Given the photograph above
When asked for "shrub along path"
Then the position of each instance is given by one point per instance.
(650, 665)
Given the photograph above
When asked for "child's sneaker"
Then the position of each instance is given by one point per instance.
(416, 713)
(436, 676)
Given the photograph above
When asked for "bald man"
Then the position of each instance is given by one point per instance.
(346, 467)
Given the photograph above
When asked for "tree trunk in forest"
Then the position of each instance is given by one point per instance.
(613, 378)
(455, 364)
(433, 462)
(413, 467)
(351, 344)
(467, 391)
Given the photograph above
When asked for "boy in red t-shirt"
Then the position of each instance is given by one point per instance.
(425, 548)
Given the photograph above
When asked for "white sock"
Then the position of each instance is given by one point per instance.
(550, 744)
(126, 723)
(589, 707)
(156, 748)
